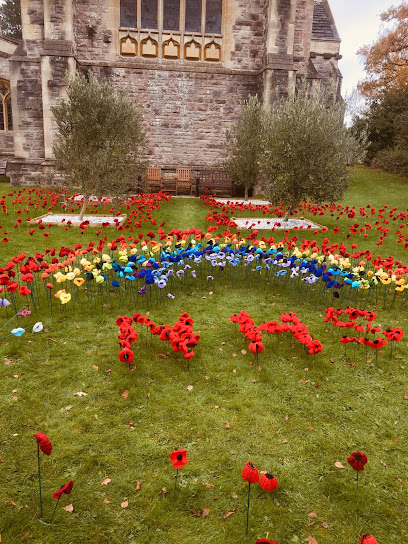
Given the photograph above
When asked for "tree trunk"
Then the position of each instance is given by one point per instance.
(246, 192)
(81, 213)
(288, 212)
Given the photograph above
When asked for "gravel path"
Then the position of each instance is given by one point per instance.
(74, 219)
(240, 201)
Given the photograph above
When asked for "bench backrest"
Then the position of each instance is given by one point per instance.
(216, 177)
(154, 173)
(183, 174)
(3, 166)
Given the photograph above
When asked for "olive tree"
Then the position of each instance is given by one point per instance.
(242, 145)
(100, 141)
(305, 143)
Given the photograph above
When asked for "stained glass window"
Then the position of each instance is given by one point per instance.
(171, 15)
(193, 15)
(150, 14)
(213, 17)
(128, 13)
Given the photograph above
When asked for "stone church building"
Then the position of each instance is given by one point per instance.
(188, 64)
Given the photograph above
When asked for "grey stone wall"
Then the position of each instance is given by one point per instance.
(185, 113)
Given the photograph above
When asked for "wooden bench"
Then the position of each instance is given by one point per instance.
(3, 167)
(184, 180)
(154, 178)
(215, 181)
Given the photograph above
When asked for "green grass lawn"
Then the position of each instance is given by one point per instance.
(292, 414)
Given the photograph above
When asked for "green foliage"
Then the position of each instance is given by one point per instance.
(304, 148)
(101, 138)
(10, 19)
(384, 121)
(242, 145)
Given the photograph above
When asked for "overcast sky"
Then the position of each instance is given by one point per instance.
(358, 24)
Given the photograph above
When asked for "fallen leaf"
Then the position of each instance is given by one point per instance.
(14, 398)
(234, 355)
(1, 461)
(12, 503)
(230, 513)
(331, 362)
(216, 406)
(163, 490)
(95, 367)
(243, 351)
(306, 369)
(234, 495)
(108, 371)
(406, 397)
(25, 534)
(163, 355)
(138, 486)
(284, 441)
(304, 382)
(325, 525)
(206, 512)
(77, 327)
(312, 515)
(66, 409)
(8, 361)
(227, 425)
(14, 390)
(80, 394)
(311, 540)
(207, 485)
(69, 508)
(195, 513)
(337, 464)
(309, 428)
(383, 464)
(124, 504)
(125, 394)
(106, 501)
(106, 481)
(210, 293)
(190, 387)
(130, 424)
(286, 418)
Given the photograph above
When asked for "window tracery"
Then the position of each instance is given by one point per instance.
(6, 118)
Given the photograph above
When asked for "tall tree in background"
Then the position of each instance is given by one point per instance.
(305, 149)
(242, 145)
(100, 143)
(10, 19)
(386, 60)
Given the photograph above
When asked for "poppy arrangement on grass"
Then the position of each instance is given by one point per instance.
(290, 323)
(179, 460)
(181, 335)
(43, 444)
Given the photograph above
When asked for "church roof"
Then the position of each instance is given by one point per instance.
(323, 27)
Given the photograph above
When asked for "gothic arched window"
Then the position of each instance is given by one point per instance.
(6, 120)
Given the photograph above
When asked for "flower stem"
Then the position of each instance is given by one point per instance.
(247, 519)
(54, 510)
(175, 482)
(39, 479)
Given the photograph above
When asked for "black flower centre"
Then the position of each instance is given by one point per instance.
(179, 457)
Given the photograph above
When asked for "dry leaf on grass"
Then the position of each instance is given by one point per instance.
(66, 409)
(69, 508)
(206, 512)
(337, 464)
(227, 425)
(95, 367)
(25, 535)
(195, 513)
(207, 485)
(190, 387)
(311, 540)
(312, 515)
(138, 486)
(124, 504)
(234, 496)
(80, 394)
(243, 351)
(125, 394)
(106, 501)
(325, 525)
(229, 513)
(163, 490)
(106, 481)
